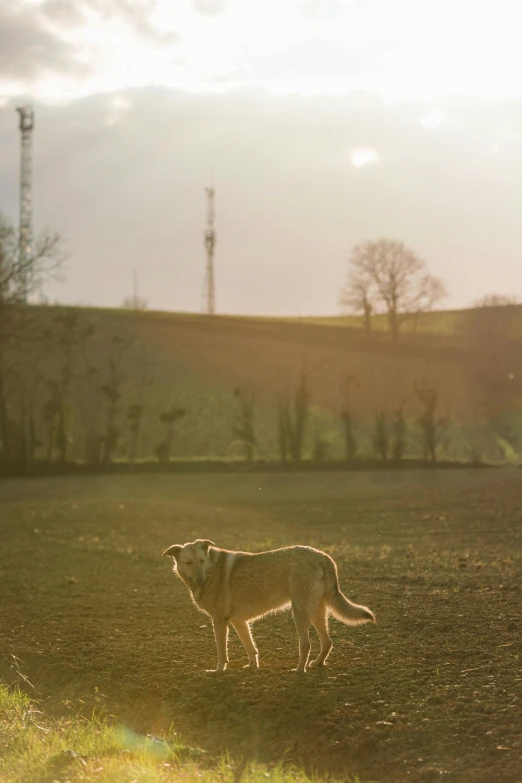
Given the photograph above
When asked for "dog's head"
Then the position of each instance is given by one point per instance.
(192, 561)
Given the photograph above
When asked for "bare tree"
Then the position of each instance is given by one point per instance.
(389, 274)
(169, 417)
(243, 427)
(111, 391)
(283, 428)
(292, 419)
(19, 275)
(347, 417)
(399, 428)
(432, 428)
(63, 339)
(135, 302)
(356, 297)
(136, 412)
(381, 435)
(496, 300)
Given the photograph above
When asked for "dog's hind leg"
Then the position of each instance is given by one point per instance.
(245, 636)
(302, 623)
(320, 623)
(221, 634)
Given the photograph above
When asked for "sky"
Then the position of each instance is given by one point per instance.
(322, 123)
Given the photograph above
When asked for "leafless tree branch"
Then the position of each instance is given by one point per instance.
(387, 273)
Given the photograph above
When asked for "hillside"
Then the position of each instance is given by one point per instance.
(76, 372)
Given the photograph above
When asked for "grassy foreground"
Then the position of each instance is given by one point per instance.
(41, 749)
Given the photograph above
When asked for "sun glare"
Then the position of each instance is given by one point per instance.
(363, 157)
(433, 119)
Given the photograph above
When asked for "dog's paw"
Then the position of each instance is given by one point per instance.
(316, 664)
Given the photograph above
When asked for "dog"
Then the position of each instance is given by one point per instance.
(236, 588)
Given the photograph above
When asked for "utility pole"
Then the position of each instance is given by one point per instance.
(26, 197)
(135, 300)
(210, 243)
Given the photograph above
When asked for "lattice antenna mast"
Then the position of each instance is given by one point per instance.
(210, 244)
(26, 197)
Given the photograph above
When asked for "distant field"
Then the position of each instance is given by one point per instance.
(164, 361)
(444, 324)
(432, 693)
(448, 325)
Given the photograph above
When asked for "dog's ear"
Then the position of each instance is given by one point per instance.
(204, 543)
(173, 551)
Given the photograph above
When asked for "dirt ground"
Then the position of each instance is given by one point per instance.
(431, 694)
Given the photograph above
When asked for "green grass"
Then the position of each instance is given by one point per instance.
(40, 748)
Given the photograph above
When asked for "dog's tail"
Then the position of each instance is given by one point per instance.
(347, 612)
(338, 604)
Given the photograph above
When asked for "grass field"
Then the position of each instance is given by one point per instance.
(99, 622)
(43, 748)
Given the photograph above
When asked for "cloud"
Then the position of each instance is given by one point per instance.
(134, 16)
(28, 47)
(319, 58)
(119, 106)
(74, 48)
(209, 7)
(433, 119)
(325, 9)
(67, 47)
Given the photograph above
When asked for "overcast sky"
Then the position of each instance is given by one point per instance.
(326, 123)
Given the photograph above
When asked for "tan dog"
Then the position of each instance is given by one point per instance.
(239, 587)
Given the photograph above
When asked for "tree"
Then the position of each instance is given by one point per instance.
(20, 275)
(381, 435)
(399, 431)
(356, 298)
(292, 418)
(136, 412)
(432, 428)
(64, 338)
(111, 390)
(135, 302)
(321, 447)
(497, 300)
(169, 417)
(283, 428)
(243, 426)
(388, 274)
(350, 440)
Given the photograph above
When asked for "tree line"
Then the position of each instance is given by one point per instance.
(384, 276)
(389, 427)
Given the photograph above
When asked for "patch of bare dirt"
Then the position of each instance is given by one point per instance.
(431, 694)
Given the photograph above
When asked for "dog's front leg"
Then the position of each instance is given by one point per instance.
(221, 634)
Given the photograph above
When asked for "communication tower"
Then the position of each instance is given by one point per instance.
(26, 197)
(210, 244)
